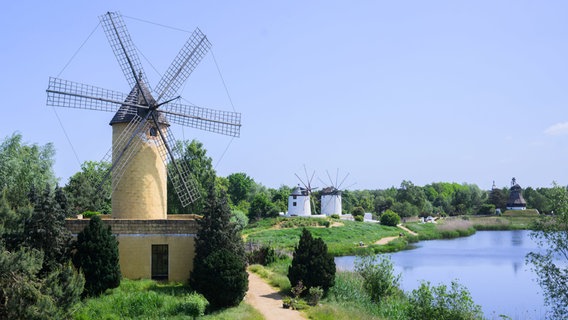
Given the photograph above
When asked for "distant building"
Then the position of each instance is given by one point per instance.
(516, 200)
(299, 202)
(330, 201)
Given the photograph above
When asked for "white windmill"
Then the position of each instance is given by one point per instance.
(331, 196)
(299, 201)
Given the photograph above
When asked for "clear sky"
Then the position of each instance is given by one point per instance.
(455, 91)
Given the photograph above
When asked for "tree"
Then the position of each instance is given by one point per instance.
(390, 218)
(240, 185)
(194, 155)
(261, 207)
(497, 198)
(87, 189)
(550, 262)
(437, 303)
(45, 230)
(379, 279)
(312, 264)
(97, 257)
(219, 266)
(23, 166)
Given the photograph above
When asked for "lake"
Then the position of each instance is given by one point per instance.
(491, 264)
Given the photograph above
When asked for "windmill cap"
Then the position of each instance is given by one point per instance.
(126, 113)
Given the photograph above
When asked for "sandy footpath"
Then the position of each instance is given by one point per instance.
(268, 301)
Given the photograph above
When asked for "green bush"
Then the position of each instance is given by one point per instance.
(315, 294)
(223, 277)
(437, 303)
(486, 209)
(90, 214)
(358, 218)
(96, 255)
(358, 211)
(193, 305)
(264, 255)
(378, 276)
(335, 216)
(390, 218)
(312, 264)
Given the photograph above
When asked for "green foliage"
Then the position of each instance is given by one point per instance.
(358, 218)
(335, 216)
(219, 271)
(486, 209)
(240, 186)
(194, 155)
(24, 166)
(390, 218)
(240, 219)
(87, 189)
(550, 261)
(194, 305)
(312, 264)
(90, 214)
(261, 207)
(439, 303)
(264, 255)
(358, 211)
(378, 276)
(97, 257)
(315, 294)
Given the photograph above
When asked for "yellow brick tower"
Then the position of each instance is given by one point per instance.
(140, 187)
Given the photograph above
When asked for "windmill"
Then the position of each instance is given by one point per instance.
(144, 153)
(300, 200)
(331, 195)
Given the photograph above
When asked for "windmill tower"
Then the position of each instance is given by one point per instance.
(331, 196)
(299, 201)
(144, 153)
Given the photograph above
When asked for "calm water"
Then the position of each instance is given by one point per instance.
(491, 264)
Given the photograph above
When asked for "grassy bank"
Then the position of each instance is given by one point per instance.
(342, 237)
(147, 299)
(517, 221)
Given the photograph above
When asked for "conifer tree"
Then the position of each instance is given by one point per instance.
(219, 268)
(312, 264)
(97, 257)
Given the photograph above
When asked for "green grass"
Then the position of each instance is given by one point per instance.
(147, 299)
(340, 240)
(518, 221)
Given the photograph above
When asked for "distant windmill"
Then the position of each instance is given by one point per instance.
(300, 200)
(331, 195)
(144, 150)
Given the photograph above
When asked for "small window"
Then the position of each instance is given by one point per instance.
(153, 132)
(294, 197)
(160, 262)
(294, 204)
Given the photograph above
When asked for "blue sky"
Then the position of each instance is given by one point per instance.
(383, 90)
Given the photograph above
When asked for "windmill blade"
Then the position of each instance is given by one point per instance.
(329, 177)
(178, 170)
(302, 181)
(183, 65)
(123, 48)
(223, 122)
(125, 147)
(342, 181)
(63, 93)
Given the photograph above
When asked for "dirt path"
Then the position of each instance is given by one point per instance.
(385, 240)
(268, 301)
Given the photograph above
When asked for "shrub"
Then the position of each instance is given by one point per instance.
(194, 305)
(358, 218)
(264, 255)
(90, 214)
(440, 304)
(240, 219)
(315, 295)
(358, 211)
(312, 264)
(97, 257)
(390, 218)
(335, 216)
(223, 277)
(378, 276)
(487, 209)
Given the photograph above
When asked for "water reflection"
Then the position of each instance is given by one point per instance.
(491, 264)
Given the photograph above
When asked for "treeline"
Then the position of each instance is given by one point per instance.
(24, 165)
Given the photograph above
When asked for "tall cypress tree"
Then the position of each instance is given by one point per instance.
(219, 268)
(97, 256)
(312, 264)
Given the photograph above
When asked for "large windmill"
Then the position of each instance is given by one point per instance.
(144, 152)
